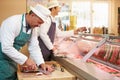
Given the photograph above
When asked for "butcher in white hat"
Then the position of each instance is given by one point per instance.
(48, 31)
(40, 11)
(15, 32)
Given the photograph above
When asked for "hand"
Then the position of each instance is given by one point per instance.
(29, 65)
(46, 68)
(56, 46)
(54, 50)
(81, 29)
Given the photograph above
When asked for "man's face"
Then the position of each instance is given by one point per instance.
(36, 21)
(56, 10)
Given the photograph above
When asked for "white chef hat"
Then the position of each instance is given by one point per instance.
(53, 3)
(41, 11)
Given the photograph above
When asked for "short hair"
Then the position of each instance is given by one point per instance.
(52, 8)
(31, 12)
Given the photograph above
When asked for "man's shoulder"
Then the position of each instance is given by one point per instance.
(13, 18)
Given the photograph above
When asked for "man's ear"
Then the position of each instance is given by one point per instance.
(33, 14)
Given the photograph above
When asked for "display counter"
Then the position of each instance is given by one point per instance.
(90, 58)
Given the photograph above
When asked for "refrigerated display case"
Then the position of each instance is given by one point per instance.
(90, 56)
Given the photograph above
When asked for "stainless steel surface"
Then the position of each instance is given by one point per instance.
(84, 71)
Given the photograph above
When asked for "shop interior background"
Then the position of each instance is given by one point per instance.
(89, 13)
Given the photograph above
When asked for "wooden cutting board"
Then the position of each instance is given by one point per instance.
(56, 75)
